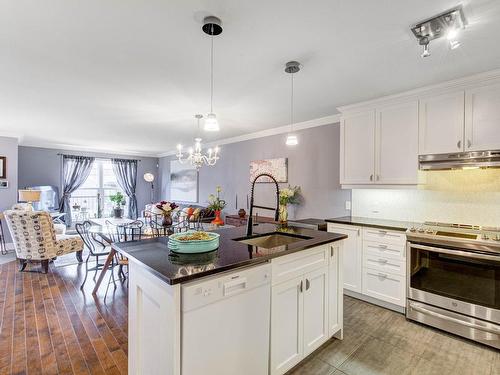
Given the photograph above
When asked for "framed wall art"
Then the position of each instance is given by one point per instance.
(275, 167)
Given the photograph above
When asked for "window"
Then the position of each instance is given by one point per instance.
(91, 200)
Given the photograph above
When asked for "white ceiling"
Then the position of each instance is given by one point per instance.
(128, 75)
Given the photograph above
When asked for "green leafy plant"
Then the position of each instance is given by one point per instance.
(214, 201)
(118, 199)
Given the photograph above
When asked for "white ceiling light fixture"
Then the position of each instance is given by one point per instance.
(212, 26)
(446, 24)
(291, 68)
(195, 156)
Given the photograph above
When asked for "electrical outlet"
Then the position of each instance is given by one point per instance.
(348, 205)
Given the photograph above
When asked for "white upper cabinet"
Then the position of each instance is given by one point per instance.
(482, 118)
(441, 123)
(396, 143)
(358, 148)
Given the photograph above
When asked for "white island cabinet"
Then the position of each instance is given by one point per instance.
(257, 320)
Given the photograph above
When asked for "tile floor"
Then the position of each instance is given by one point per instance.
(379, 341)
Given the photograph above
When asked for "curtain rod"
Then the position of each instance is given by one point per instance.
(97, 158)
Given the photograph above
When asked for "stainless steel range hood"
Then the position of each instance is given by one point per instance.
(461, 160)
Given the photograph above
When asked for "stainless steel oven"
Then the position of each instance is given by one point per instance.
(454, 283)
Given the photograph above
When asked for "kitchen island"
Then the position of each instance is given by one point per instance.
(257, 305)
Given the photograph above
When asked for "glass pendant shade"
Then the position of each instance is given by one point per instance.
(211, 123)
(292, 140)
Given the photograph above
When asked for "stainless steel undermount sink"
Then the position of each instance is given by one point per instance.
(272, 240)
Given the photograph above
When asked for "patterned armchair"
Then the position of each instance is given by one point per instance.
(35, 238)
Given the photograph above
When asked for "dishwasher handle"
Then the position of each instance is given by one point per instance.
(235, 286)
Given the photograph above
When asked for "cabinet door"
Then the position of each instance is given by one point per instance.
(358, 148)
(441, 124)
(351, 258)
(315, 309)
(396, 144)
(286, 325)
(482, 118)
(335, 297)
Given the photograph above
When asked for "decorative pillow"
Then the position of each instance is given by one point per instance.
(196, 213)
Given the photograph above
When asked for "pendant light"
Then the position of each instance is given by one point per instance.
(211, 26)
(292, 67)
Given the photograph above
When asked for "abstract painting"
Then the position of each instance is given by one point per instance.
(183, 182)
(275, 167)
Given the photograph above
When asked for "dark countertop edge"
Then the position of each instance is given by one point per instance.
(242, 264)
(373, 223)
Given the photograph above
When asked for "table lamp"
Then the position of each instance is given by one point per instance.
(29, 196)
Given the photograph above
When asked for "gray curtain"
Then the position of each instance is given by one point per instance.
(76, 169)
(126, 175)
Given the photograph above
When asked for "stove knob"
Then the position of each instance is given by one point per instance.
(485, 236)
(421, 230)
(497, 238)
(429, 231)
(413, 229)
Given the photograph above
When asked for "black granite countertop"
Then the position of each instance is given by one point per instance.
(174, 268)
(374, 223)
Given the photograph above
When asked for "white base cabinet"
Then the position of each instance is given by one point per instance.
(376, 260)
(306, 304)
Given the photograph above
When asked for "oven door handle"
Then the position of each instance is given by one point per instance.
(466, 254)
(422, 310)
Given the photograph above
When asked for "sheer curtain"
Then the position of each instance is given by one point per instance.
(76, 170)
(126, 175)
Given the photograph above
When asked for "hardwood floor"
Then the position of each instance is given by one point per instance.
(49, 326)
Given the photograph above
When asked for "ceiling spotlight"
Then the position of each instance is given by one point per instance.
(446, 24)
(454, 44)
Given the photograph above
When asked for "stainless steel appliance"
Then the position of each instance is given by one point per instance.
(460, 160)
(454, 279)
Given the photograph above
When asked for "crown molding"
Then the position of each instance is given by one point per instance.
(68, 147)
(327, 120)
(436, 89)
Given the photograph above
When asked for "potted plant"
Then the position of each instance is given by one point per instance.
(165, 209)
(217, 205)
(289, 195)
(119, 200)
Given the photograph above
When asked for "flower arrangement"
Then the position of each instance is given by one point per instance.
(214, 201)
(289, 195)
(165, 208)
(216, 204)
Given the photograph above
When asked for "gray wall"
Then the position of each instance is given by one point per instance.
(8, 148)
(42, 166)
(313, 165)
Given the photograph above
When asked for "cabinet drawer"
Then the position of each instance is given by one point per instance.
(384, 264)
(293, 265)
(385, 236)
(391, 250)
(384, 286)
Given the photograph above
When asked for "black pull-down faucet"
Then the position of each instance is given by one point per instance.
(252, 205)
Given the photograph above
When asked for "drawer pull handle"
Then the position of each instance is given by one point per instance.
(383, 232)
(308, 284)
(383, 261)
(382, 275)
(382, 247)
(301, 286)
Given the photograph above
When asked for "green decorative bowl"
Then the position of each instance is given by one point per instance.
(193, 246)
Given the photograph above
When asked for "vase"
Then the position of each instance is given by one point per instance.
(283, 214)
(167, 221)
(217, 220)
(117, 212)
(242, 213)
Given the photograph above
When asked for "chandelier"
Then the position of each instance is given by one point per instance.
(195, 156)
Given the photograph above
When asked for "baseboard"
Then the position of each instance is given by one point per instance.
(387, 305)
